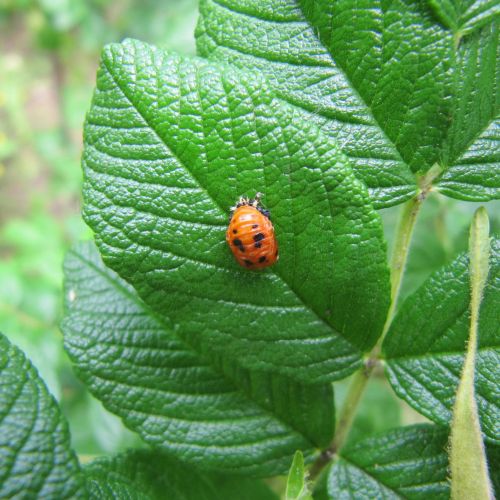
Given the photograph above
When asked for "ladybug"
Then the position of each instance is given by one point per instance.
(250, 234)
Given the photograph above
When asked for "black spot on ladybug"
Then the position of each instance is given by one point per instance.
(258, 237)
(238, 243)
(262, 259)
(235, 231)
(248, 263)
(257, 245)
(255, 226)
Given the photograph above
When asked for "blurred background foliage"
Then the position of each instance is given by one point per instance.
(49, 51)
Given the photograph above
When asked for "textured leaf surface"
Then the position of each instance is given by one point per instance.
(464, 16)
(36, 459)
(135, 364)
(170, 143)
(389, 81)
(475, 176)
(276, 39)
(425, 346)
(144, 474)
(408, 462)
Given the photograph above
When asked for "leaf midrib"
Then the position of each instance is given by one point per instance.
(341, 69)
(32, 386)
(209, 195)
(142, 305)
(365, 472)
(432, 354)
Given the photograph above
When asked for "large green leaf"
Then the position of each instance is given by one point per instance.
(215, 416)
(36, 459)
(425, 346)
(408, 462)
(150, 475)
(276, 40)
(170, 143)
(388, 80)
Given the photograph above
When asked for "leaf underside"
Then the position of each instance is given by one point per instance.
(136, 365)
(169, 144)
(425, 345)
(36, 459)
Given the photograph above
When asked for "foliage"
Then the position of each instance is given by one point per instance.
(332, 110)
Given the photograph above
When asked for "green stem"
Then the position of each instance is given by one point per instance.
(360, 379)
(346, 417)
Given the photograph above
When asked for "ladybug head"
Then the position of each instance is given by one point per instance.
(264, 212)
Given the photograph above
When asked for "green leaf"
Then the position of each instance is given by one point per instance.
(475, 176)
(464, 16)
(144, 474)
(232, 487)
(296, 485)
(478, 14)
(196, 409)
(409, 462)
(471, 153)
(493, 455)
(276, 40)
(469, 469)
(170, 144)
(447, 11)
(398, 90)
(36, 459)
(425, 346)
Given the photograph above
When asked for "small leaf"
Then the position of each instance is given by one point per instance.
(464, 17)
(409, 462)
(425, 346)
(170, 144)
(469, 470)
(472, 148)
(478, 14)
(475, 176)
(296, 485)
(144, 474)
(447, 12)
(203, 413)
(36, 459)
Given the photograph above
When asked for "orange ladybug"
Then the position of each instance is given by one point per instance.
(250, 234)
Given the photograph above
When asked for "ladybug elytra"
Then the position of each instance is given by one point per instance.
(250, 234)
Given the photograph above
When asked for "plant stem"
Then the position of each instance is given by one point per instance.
(360, 378)
(346, 417)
